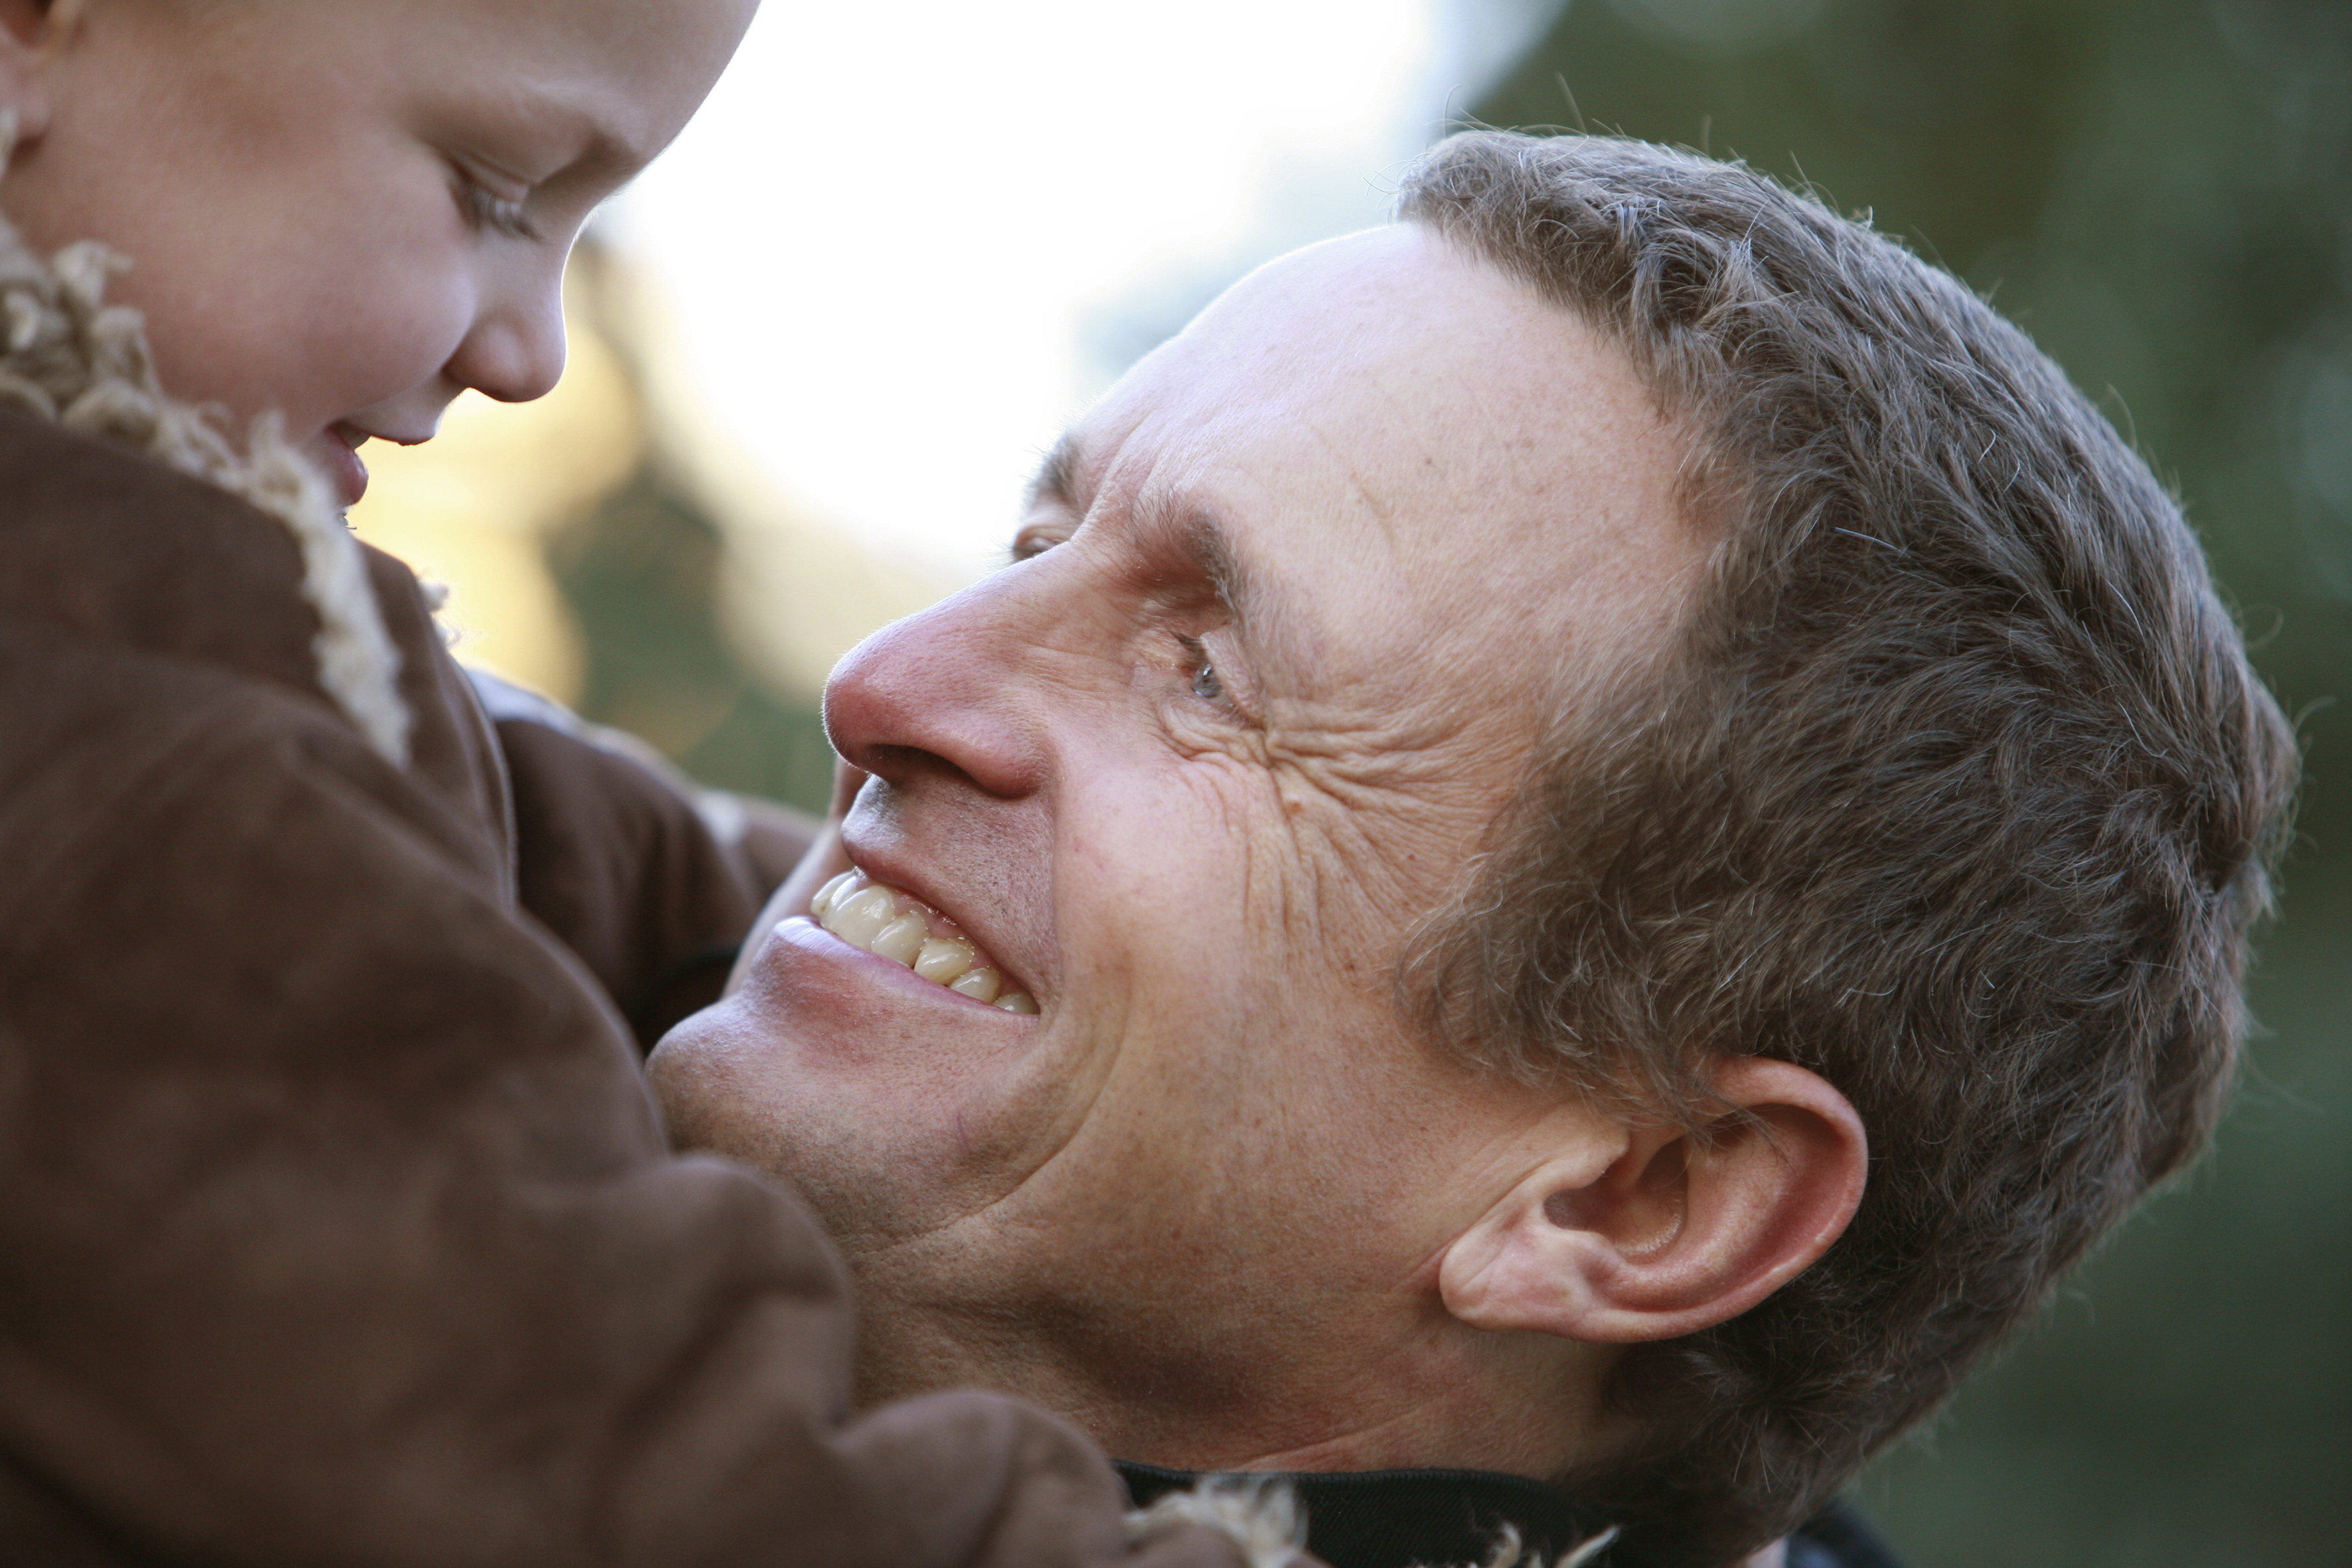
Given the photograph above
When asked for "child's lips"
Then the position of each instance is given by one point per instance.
(338, 451)
(338, 455)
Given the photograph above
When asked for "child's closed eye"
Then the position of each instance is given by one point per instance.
(486, 208)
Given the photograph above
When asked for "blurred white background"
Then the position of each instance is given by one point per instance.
(899, 248)
(888, 229)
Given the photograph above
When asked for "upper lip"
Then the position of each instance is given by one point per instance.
(353, 435)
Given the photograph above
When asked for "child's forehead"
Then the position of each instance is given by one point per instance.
(629, 72)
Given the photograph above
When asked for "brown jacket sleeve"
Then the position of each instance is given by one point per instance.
(652, 881)
(335, 1225)
(615, 861)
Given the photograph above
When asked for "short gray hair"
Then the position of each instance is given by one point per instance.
(1956, 787)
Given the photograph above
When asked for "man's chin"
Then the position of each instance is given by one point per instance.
(884, 1098)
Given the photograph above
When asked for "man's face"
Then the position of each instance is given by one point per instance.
(1296, 599)
(348, 212)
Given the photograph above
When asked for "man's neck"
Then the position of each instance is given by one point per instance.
(1522, 1405)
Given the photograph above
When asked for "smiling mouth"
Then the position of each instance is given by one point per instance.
(892, 923)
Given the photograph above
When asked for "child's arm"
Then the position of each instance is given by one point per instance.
(335, 1224)
(651, 880)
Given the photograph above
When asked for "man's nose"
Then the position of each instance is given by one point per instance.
(947, 691)
(514, 351)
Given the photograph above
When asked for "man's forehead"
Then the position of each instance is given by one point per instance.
(1383, 440)
(1430, 433)
(1392, 354)
(1258, 344)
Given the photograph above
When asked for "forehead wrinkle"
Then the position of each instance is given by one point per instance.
(1353, 468)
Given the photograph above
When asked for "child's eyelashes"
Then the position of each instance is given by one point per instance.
(485, 208)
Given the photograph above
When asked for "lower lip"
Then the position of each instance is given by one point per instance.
(344, 469)
(800, 934)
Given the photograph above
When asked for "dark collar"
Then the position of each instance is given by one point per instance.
(1411, 1518)
(1403, 1519)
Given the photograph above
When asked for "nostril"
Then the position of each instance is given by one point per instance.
(897, 764)
(940, 696)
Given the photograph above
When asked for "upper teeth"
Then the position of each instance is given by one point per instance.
(893, 924)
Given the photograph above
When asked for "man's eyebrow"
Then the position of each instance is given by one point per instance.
(1057, 476)
(1202, 536)
(1192, 533)
(1184, 531)
(1172, 529)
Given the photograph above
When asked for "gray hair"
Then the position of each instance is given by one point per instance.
(1955, 786)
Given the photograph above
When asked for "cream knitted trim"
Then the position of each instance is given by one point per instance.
(1509, 1553)
(69, 357)
(1266, 1522)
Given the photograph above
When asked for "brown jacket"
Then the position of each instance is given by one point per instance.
(650, 881)
(335, 1224)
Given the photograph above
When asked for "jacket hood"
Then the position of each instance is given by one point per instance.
(69, 357)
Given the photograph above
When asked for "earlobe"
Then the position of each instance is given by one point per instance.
(26, 30)
(1668, 1233)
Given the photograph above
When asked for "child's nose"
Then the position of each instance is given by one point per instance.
(515, 352)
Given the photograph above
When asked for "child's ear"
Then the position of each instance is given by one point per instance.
(25, 39)
(34, 23)
(1677, 1233)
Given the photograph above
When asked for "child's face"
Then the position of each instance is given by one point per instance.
(348, 211)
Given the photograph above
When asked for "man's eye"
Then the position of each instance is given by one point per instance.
(1037, 539)
(1206, 684)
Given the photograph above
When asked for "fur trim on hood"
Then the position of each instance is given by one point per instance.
(68, 356)
(1271, 1529)
(1266, 1524)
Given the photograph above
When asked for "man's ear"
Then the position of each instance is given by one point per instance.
(1672, 1234)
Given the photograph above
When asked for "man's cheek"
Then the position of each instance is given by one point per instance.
(1256, 886)
(1284, 883)
(1367, 862)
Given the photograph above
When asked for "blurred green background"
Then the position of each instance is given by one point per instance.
(2160, 191)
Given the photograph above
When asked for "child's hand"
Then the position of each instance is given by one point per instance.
(824, 860)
